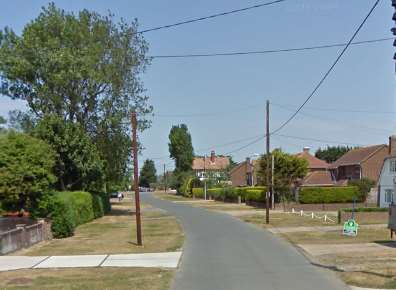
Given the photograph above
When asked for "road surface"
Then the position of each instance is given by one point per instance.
(224, 253)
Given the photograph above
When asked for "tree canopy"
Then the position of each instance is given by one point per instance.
(148, 173)
(84, 69)
(332, 153)
(287, 169)
(180, 148)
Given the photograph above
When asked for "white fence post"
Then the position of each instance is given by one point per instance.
(301, 212)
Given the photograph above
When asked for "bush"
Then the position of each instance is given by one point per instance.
(364, 185)
(329, 194)
(26, 165)
(198, 192)
(97, 206)
(71, 209)
(366, 209)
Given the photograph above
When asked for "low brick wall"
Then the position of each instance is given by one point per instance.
(24, 236)
(365, 217)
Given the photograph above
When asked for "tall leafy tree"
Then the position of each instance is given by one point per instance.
(287, 170)
(84, 68)
(332, 153)
(78, 164)
(148, 173)
(180, 148)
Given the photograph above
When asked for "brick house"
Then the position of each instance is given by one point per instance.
(364, 162)
(318, 171)
(245, 173)
(214, 166)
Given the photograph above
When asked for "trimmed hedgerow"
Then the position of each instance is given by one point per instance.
(232, 193)
(71, 209)
(198, 192)
(366, 209)
(329, 194)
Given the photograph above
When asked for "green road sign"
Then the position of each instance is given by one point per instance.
(350, 228)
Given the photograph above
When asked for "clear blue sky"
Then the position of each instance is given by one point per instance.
(237, 87)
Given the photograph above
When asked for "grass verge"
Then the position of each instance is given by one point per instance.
(84, 278)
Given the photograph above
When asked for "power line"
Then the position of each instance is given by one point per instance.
(269, 51)
(211, 16)
(247, 145)
(329, 71)
(336, 109)
(336, 120)
(318, 140)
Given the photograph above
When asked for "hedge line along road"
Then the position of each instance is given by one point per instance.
(224, 253)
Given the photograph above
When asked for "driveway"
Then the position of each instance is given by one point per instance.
(224, 253)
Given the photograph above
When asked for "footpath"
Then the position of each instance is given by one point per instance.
(152, 260)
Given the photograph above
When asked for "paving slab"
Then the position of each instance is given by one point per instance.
(8, 263)
(72, 261)
(160, 260)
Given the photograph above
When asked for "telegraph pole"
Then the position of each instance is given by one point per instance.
(267, 195)
(136, 178)
(272, 181)
(165, 181)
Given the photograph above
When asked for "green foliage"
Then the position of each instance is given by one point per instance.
(366, 209)
(3, 121)
(364, 185)
(332, 153)
(148, 173)
(329, 194)
(78, 163)
(287, 170)
(26, 165)
(84, 68)
(68, 210)
(231, 194)
(180, 148)
(198, 192)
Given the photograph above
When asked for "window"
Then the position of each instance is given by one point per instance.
(388, 195)
(392, 166)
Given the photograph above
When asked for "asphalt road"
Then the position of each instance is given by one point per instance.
(224, 253)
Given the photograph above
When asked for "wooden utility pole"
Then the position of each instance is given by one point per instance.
(136, 178)
(165, 181)
(272, 181)
(267, 195)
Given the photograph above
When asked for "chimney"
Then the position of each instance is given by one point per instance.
(212, 156)
(306, 149)
(392, 145)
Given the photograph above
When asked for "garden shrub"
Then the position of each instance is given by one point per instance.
(97, 206)
(198, 192)
(26, 165)
(329, 194)
(71, 209)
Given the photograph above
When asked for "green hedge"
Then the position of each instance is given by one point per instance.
(329, 194)
(366, 209)
(232, 193)
(71, 209)
(198, 192)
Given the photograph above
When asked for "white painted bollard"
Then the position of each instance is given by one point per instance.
(325, 217)
(293, 210)
(312, 215)
(301, 213)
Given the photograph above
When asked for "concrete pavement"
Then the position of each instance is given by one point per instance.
(154, 260)
(223, 253)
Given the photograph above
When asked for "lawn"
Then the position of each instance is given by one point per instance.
(116, 234)
(88, 278)
(171, 196)
(336, 237)
(286, 220)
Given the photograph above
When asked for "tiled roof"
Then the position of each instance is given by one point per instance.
(313, 162)
(357, 156)
(318, 178)
(220, 163)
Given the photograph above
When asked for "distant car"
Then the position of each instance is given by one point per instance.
(116, 194)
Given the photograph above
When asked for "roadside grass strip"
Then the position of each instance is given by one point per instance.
(147, 260)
